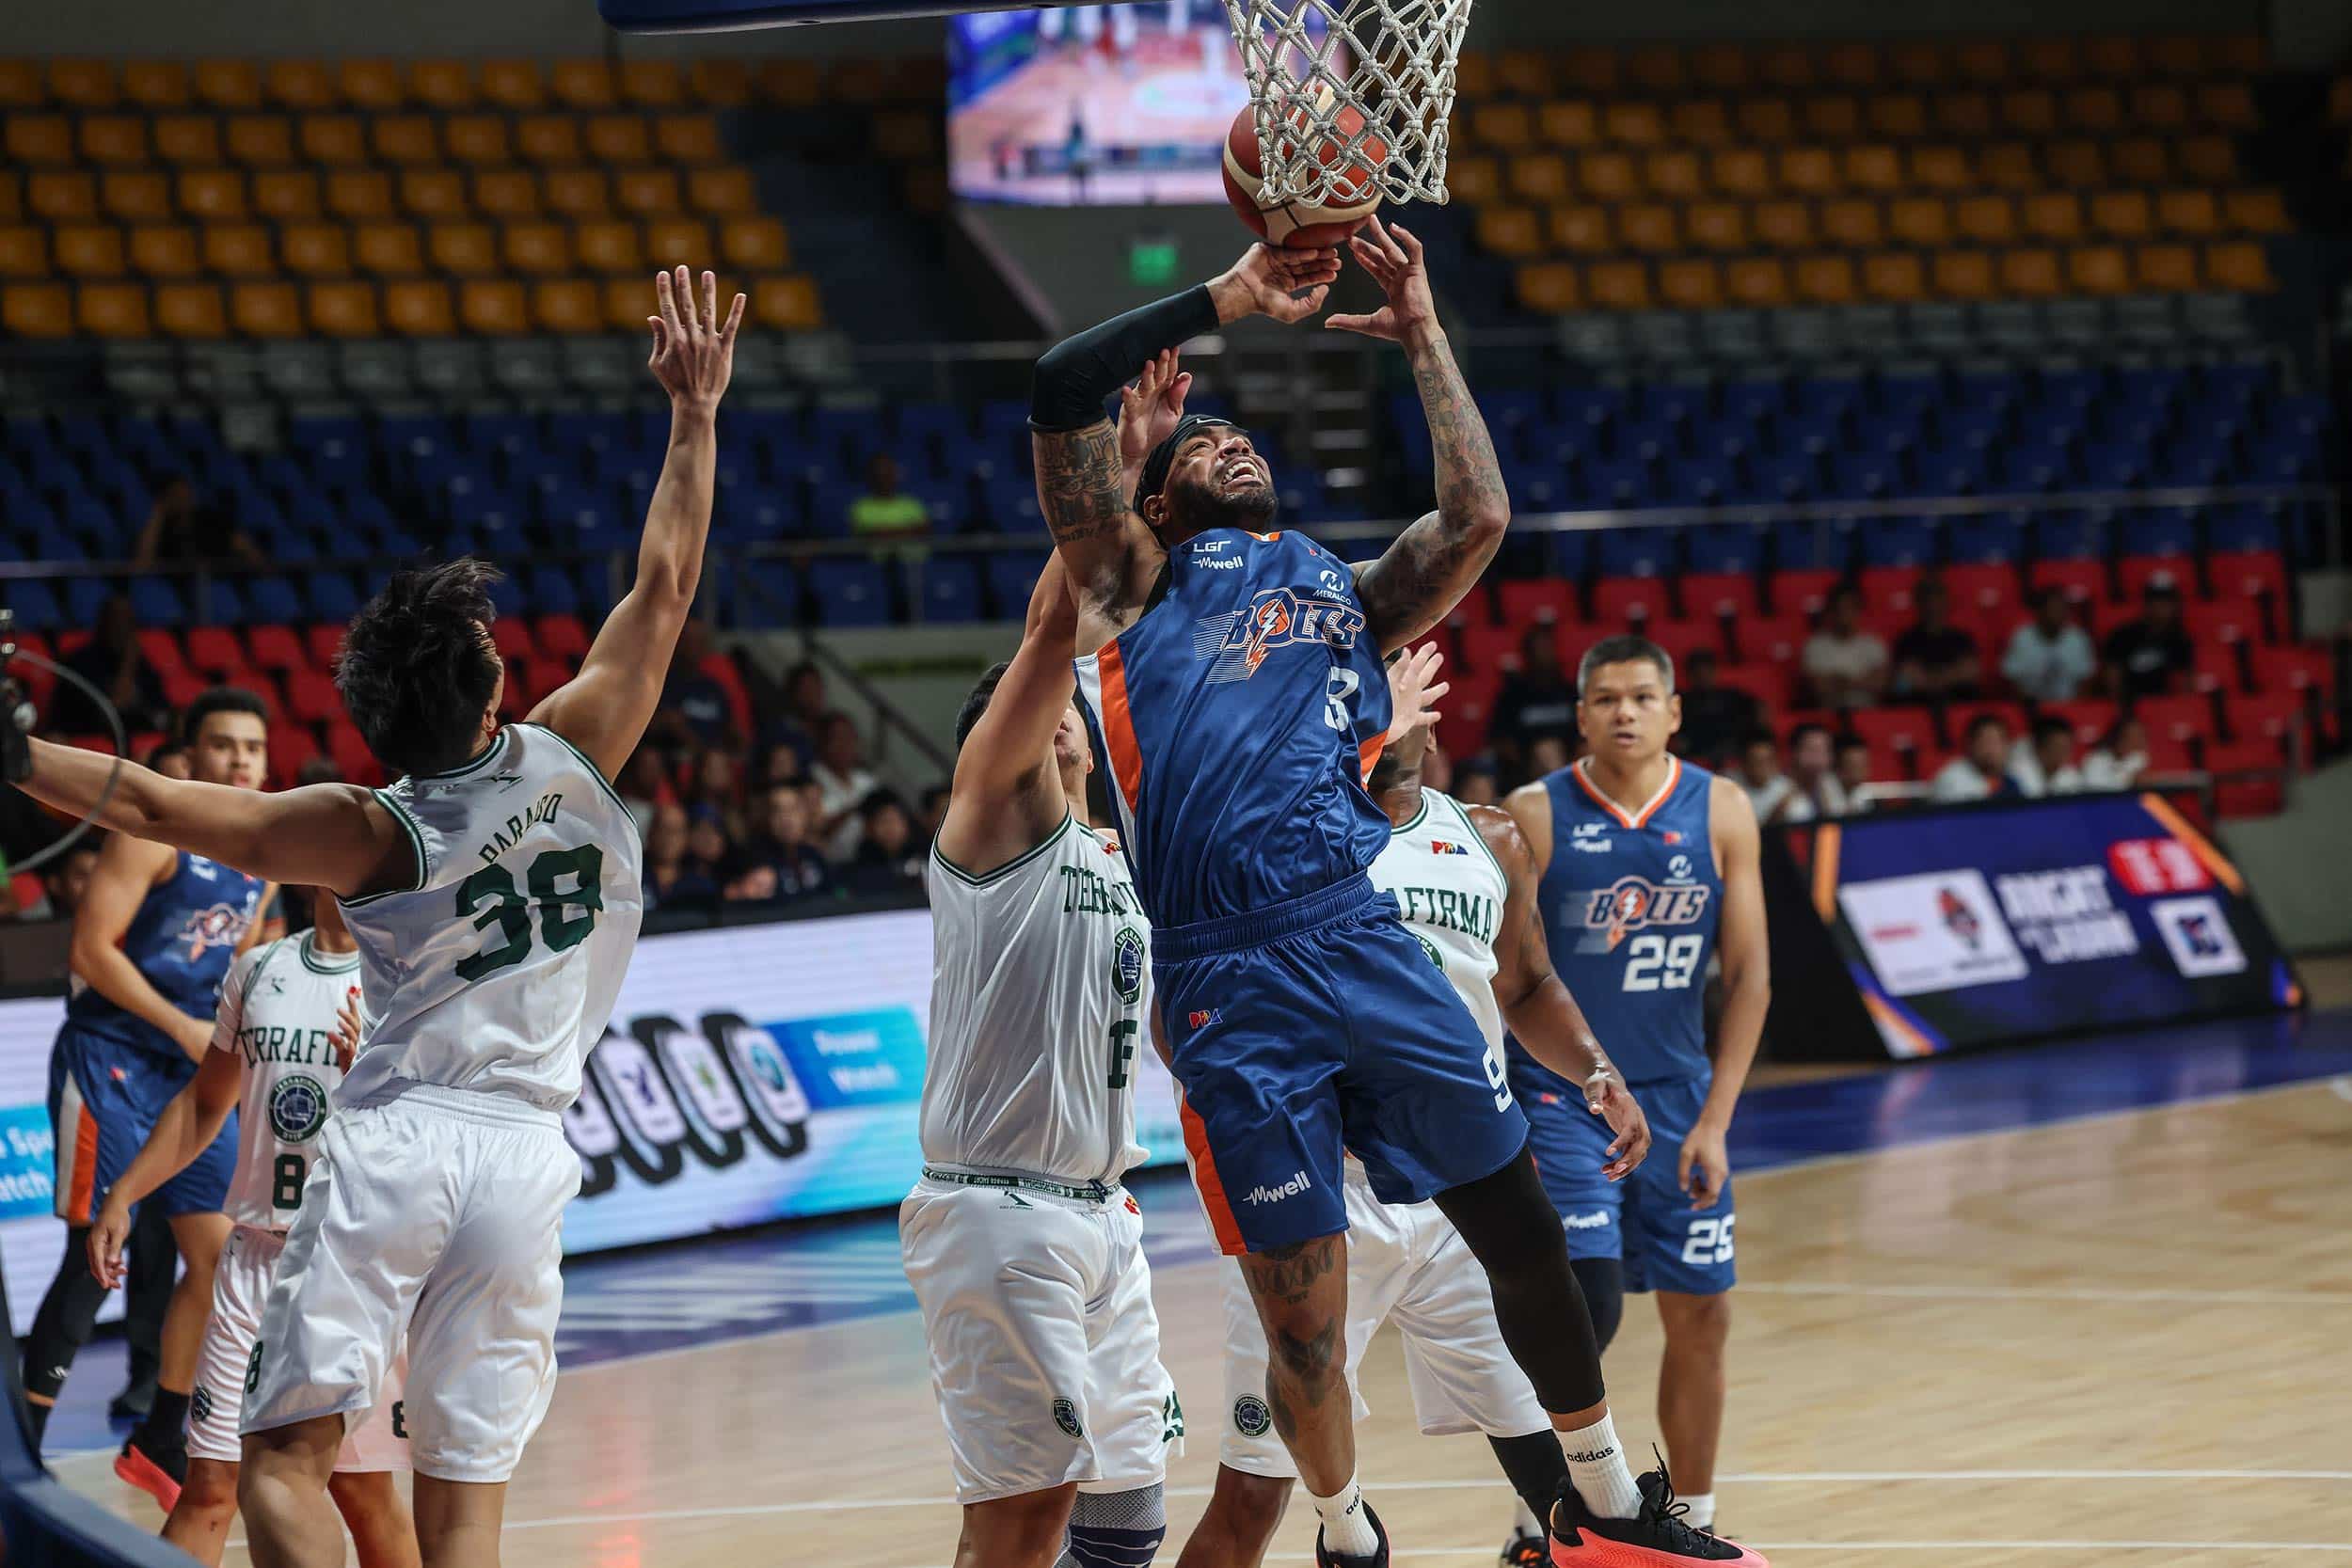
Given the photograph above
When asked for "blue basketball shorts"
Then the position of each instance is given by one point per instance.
(105, 1095)
(1645, 1219)
(1317, 1026)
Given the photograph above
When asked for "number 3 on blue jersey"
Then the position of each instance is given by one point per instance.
(1341, 692)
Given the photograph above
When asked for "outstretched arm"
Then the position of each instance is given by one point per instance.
(605, 708)
(1436, 560)
(1006, 793)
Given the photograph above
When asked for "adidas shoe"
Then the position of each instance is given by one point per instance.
(1326, 1557)
(1525, 1551)
(1654, 1538)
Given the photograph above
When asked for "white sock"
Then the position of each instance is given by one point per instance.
(1596, 1464)
(1702, 1506)
(1346, 1527)
(1524, 1521)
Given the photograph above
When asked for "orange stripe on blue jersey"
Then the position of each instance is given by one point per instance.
(1211, 1187)
(1119, 726)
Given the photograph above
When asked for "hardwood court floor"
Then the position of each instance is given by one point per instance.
(2118, 1340)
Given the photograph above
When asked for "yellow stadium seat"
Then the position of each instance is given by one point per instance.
(60, 195)
(1986, 220)
(359, 194)
(2122, 214)
(2099, 269)
(21, 85)
(40, 139)
(372, 85)
(619, 139)
(332, 139)
(1581, 229)
(466, 249)
(84, 84)
(1690, 283)
(547, 139)
(2075, 163)
(1787, 224)
(261, 141)
(2256, 210)
(1962, 274)
(542, 249)
(1722, 67)
(2176, 55)
(493, 307)
(441, 84)
(1509, 232)
(579, 193)
(1523, 73)
(1874, 168)
(1599, 177)
(286, 195)
(140, 196)
(214, 194)
(507, 193)
(1743, 171)
(1759, 282)
(2009, 166)
(88, 250)
(610, 246)
(1963, 114)
(1855, 223)
(1718, 226)
(315, 249)
(2208, 160)
(36, 311)
(2029, 111)
(191, 311)
(24, 252)
(1785, 64)
(1921, 220)
(2057, 59)
(1475, 179)
(1508, 126)
(2238, 265)
(1658, 67)
(1633, 124)
(1853, 64)
(342, 309)
(1808, 170)
(1673, 173)
(1544, 176)
(583, 84)
(405, 139)
(1826, 279)
(788, 303)
(2095, 109)
(694, 138)
(1898, 116)
(2115, 57)
(2030, 274)
(1618, 285)
(653, 84)
(1834, 119)
(719, 83)
(187, 139)
(1698, 121)
(649, 193)
(791, 84)
(476, 139)
(228, 83)
(626, 304)
(419, 308)
(303, 85)
(2159, 106)
(513, 84)
(116, 139)
(2192, 212)
(2164, 268)
(388, 249)
(238, 250)
(1649, 225)
(1918, 62)
(112, 310)
(2143, 160)
(166, 250)
(1765, 119)
(1474, 76)
(2227, 107)
(2054, 215)
(2234, 53)
(1591, 69)
(433, 193)
(566, 304)
(1939, 166)
(753, 245)
(1893, 277)
(267, 309)
(11, 195)
(1549, 288)
(724, 192)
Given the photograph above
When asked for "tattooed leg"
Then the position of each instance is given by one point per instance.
(1301, 1293)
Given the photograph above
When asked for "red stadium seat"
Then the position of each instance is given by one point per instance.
(1771, 685)
(1718, 594)
(2084, 581)
(1469, 708)
(2214, 666)
(325, 642)
(1979, 590)
(1898, 737)
(2089, 717)
(562, 636)
(511, 636)
(2275, 719)
(1805, 591)
(1681, 639)
(159, 648)
(1542, 599)
(183, 686)
(277, 648)
(351, 755)
(1624, 601)
(1958, 717)
(215, 651)
(289, 746)
(721, 668)
(2226, 620)
(1889, 591)
(2257, 797)
(311, 698)
(2134, 573)
(2179, 719)
(2300, 670)
(25, 890)
(1775, 640)
(2248, 575)
(1490, 650)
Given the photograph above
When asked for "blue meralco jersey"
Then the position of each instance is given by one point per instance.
(182, 940)
(1631, 903)
(1235, 721)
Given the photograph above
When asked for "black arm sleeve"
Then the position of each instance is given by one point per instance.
(1077, 373)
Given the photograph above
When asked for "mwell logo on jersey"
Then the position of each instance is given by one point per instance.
(1938, 931)
(1239, 641)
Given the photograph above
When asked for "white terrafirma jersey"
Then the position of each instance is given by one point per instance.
(1451, 890)
(277, 1014)
(497, 971)
(1040, 991)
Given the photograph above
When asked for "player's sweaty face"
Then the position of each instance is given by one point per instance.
(1219, 481)
(231, 748)
(1626, 712)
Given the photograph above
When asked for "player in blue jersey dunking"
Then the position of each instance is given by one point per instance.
(152, 939)
(1650, 868)
(1231, 676)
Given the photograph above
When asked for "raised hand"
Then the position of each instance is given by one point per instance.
(1274, 281)
(1414, 690)
(348, 1029)
(1149, 412)
(1393, 257)
(693, 353)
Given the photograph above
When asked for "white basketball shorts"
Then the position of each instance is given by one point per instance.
(1404, 1260)
(439, 1211)
(240, 1287)
(1045, 1350)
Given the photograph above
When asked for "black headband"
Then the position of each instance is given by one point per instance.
(1154, 476)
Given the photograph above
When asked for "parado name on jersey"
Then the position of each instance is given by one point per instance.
(511, 832)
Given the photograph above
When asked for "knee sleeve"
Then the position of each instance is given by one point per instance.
(1512, 1228)
(1604, 1283)
(1116, 1529)
(68, 1314)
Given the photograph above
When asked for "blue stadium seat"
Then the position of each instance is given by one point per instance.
(221, 603)
(1636, 552)
(2243, 528)
(330, 596)
(1011, 576)
(1787, 479)
(951, 589)
(273, 599)
(1906, 542)
(2071, 535)
(766, 593)
(83, 597)
(1717, 547)
(849, 591)
(2169, 531)
(36, 604)
(549, 591)
(1809, 546)
(1568, 554)
(156, 602)
(1994, 540)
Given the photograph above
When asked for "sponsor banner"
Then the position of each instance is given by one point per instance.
(2010, 921)
(750, 1074)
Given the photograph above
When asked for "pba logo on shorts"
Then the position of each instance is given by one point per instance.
(1127, 964)
(1635, 903)
(1251, 1419)
(1276, 618)
(1066, 1418)
(297, 1108)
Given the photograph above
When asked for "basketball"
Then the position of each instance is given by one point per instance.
(1299, 225)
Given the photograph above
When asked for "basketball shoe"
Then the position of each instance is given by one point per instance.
(1525, 1551)
(1654, 1538)
(1326, 1557)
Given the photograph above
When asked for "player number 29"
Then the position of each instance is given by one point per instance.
(1653, 963)
(559, 927)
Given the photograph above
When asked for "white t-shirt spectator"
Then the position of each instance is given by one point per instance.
(843, 794)
(2049, 668)
(1782, 802)
(2106, 769)
(2027, 771)
(1959, 779)
(1859, 658)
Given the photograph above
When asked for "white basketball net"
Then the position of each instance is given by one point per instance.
(1310, 61)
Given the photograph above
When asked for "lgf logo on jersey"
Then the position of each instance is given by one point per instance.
(1238, 642)
(1635, 903)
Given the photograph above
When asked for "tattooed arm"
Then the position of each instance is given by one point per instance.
(1434, 562)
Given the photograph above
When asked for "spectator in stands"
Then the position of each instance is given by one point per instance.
(1714, 717)
(779, 863)
(1759, 768)
(2148, 655)
(845, 781)
(2049, 656)
(885, 509)
(2048, 767)
(1980, 772)
(676, 879)
(1854, 773)
(1475, 784)
(1809, 789)
(781, 765)
(178, 531)
(1935, 662)
(2118, 759)
(318, 769)
(63, 881)
(1547, 755)
(888, 859)
(694, 708)
(1845, 663)
(170, 759)
(1538, 699)
(112, 661)
(716, 785)
(645, 786)
(806, 705)
(934, 812)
